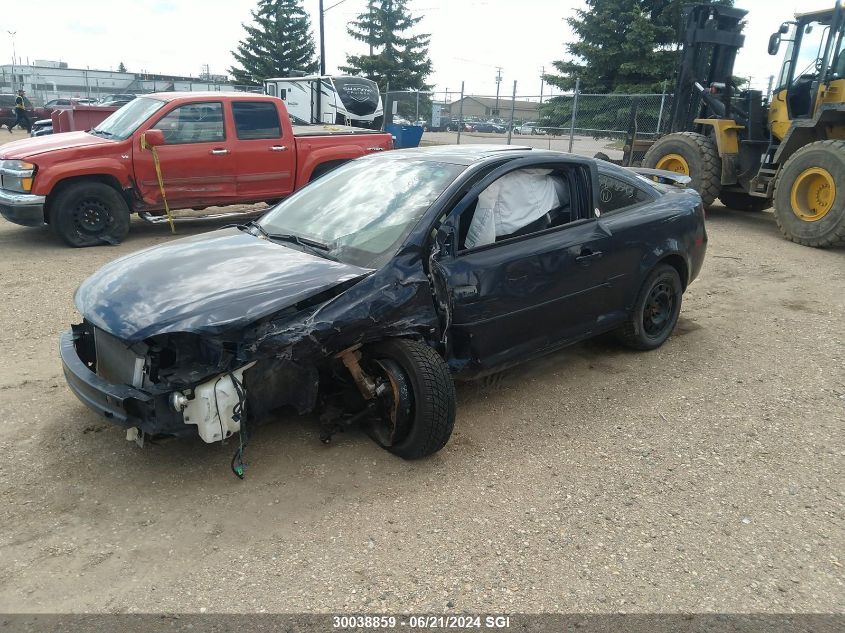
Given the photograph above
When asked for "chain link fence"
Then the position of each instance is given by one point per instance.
(586, 124)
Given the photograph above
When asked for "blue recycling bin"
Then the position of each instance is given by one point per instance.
(405, 135)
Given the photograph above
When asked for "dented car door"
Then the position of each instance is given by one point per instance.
(529, 293)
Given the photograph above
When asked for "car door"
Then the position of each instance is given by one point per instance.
(526, 294)
(197, 159)
(265, 163)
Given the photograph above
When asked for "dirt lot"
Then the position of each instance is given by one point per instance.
(705, 476)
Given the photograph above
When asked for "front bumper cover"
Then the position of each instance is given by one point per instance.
(124, 405)
(25, 209)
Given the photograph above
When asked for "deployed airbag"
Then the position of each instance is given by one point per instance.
(512, 202)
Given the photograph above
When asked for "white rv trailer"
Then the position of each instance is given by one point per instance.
(344, 99)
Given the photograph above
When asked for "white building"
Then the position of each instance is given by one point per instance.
(45, 80)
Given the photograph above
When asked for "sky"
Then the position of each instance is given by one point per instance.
(469, 38)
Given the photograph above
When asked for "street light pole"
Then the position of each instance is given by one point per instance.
(12, 33)
(322, 40)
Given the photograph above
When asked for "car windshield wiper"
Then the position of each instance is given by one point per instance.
(103, 132)
(297, 239)
(290, 237)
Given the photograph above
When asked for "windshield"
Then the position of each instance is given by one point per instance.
(364, 210)
(122, 123)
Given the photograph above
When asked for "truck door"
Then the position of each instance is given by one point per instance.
(197, 163)
(265, 162)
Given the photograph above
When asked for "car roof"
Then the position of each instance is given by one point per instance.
(208, 95)
(472, 154)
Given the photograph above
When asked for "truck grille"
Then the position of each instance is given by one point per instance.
(116, 362)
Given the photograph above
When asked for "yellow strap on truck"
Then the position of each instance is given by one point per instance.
(157, 164)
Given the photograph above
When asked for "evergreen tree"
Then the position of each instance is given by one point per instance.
(278, 43)
(395, 57)
(622, 46)
(121, 68)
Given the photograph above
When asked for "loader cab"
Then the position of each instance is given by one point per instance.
(814, 58)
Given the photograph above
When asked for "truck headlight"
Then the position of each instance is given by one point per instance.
(16, 175)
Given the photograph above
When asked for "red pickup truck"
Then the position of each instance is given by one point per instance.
(214, 149)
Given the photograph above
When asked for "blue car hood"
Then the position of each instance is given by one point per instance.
(204, 284)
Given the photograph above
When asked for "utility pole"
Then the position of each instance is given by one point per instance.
(498, 81)
(322, 43)
(542, 82)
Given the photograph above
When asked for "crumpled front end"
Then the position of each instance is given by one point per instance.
(183, 383)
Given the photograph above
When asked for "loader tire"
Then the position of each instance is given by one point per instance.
(693, 155)
(810, 195)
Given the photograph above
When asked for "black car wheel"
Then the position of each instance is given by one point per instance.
(89, 214)
(416, 398)
(656, 311)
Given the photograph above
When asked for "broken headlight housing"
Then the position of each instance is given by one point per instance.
(16, 175)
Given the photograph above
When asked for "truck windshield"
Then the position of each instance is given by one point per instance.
(123, 123)
(361, 212)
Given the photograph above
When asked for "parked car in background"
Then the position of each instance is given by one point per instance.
(529, 128)
(489, 127)
(360, 296)
(115, 100)
(214, 149)
(7, 110)
(68, 102)
(455, 125)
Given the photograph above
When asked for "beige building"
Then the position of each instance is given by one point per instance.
(483, 108)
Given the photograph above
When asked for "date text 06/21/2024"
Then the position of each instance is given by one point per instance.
(421, 622)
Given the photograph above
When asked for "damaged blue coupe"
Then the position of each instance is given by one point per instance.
(362, 296)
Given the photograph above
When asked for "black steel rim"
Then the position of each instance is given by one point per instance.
(91, 216)
(658, 310)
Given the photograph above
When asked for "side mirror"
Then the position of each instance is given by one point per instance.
(784, 28)
(774, 43)
(152, 138)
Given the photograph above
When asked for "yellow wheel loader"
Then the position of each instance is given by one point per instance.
(790, 154)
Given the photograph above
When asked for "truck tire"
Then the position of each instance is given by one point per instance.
(741, 201)
(89, 214)
(420, 415)
(693, 155)
(810, 195)
(655, 312)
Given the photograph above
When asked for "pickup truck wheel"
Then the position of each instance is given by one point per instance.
(416, 398)
(656, 311)
(89, 214)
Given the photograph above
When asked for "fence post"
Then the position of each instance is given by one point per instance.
(574, 113)
(387, 110)
(418, 107)
(662, 103)
(513, 110)
(460, 114)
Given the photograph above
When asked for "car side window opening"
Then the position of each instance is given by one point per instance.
(616, 194)
(193, 123)
(522, 202)
(256, 120)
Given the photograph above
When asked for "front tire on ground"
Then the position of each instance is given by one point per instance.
(418, 412)
(655, 312)
(89, 214)
(741, 201)
(810, 195)
(693, 155)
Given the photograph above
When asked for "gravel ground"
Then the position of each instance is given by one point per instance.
(704, 476)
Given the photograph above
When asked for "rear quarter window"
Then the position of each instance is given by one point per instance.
(616, 194)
